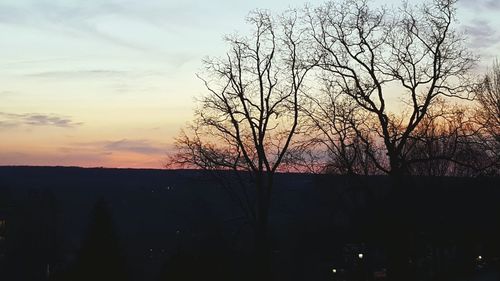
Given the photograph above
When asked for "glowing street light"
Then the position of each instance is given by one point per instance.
(360, 256)
(334, 270)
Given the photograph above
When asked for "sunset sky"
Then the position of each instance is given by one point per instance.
(111, 82)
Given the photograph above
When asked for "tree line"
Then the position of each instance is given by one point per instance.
(348, 88)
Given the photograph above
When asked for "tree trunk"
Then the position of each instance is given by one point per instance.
(397, 230)
(262, 250)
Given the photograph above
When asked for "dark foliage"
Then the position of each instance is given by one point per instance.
(100, 257)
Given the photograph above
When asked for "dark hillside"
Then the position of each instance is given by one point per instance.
(159, 215)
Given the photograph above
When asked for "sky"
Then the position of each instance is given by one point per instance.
(110, 83)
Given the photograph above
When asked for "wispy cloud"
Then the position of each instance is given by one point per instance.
(481, 4)
(88, 158)
(482, 34)
(48, 120)
(12, 120)
(112, 153)
(79, 74)
(139, 146)
(7, 93)
(144, 33)
(90, 18)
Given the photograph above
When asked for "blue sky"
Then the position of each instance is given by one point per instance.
(111, 82)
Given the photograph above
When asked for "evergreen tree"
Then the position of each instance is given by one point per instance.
(100, 257)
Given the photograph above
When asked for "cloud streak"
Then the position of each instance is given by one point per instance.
(13, 120)
(482, 4)
(482, 34)
(89, 18)
(138, 146)
(95, 73)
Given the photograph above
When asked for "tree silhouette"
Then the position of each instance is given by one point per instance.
(487, 117)
(488, 96)
(100, 257)
(249, 117)
(366, 53)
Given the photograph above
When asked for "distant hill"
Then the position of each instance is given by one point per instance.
(158, 213)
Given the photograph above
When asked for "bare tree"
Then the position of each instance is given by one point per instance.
(373, 54)
(249, 117)
(442, 145)
(333, 125)
(488, 97)
(487, 117)
(394, 65)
